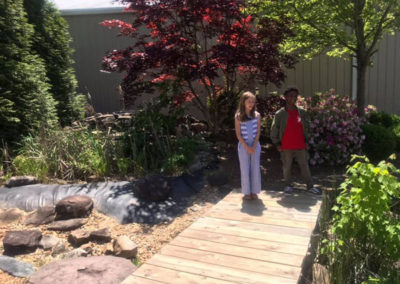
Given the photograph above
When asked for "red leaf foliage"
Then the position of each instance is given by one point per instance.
(197, 41)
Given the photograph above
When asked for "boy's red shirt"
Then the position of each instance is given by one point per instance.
(293, 137)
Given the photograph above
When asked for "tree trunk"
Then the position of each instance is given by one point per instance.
(361, 86)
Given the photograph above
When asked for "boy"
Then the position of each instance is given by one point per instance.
(289, 133)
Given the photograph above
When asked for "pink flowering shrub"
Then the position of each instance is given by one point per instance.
(335, 128)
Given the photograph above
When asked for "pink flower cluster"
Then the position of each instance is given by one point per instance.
(335, 128)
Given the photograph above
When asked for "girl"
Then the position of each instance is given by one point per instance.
(247, 126)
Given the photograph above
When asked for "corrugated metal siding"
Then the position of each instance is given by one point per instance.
(383, 78)
(322, 73)
(90, 41)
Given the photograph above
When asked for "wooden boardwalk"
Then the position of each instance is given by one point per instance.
(259, 241)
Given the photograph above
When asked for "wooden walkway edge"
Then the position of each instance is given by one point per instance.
(260, 241)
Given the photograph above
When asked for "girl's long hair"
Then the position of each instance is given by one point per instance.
(241, 111)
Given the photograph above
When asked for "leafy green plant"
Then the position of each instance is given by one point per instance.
(365, 234)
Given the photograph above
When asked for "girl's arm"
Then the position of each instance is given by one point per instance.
(237, 131)
(258, 131)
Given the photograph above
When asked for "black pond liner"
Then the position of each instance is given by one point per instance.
(114, 199)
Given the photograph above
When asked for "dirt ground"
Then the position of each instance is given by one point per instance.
(151, 238)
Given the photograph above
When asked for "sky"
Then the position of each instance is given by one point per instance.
(84, 4)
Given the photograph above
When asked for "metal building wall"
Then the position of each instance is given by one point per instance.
(383, 78)
(91, 41)
(320, 74)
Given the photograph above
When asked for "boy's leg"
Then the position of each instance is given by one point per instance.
(255, 171)
(287, 159)
(302, 159)
(244, 160)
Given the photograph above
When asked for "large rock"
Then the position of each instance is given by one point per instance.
(15, 267)
(124, 247)
(75, 206)
(67, 225)
(103, 235)
(79, 237)
(48, 242)
(93, 270)
(11, 215)
(43, 215)
(19, 242)
(21, 180)
(153, 188)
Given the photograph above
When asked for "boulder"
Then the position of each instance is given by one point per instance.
(43, 215)
(94, 269)
(67, 225)
(11, 215)
(59, 248)
(20, 242)
(78, 237)
(21, 180)
(15, 267)
(76, 253)
(103, 235)
(154, 188)
(124, 247)
(75, 206)
(48, 242)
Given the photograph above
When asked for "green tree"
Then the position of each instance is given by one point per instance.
(337, 27)
(25, 101)
(51, 42)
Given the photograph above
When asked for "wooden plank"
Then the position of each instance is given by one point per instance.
(134, 279)
(233, 250)
(294, 223)
(248, 233)
(295, 199)
(303, 208)
(167, 275)
(235, 262)
(303, 232)
(218, 237)
(217, 271)
(281, 212)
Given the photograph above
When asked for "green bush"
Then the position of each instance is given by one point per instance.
(379, 143)
(151, 141)
(64, 154)
(51, 41)
(366, 233)
(383, 119)
(26, 104)
(396, 132)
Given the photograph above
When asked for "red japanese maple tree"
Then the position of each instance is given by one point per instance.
(210, 48)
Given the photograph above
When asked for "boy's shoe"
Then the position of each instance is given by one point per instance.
(288, 190)
(315, 191)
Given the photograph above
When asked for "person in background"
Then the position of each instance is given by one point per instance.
(289, 131)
